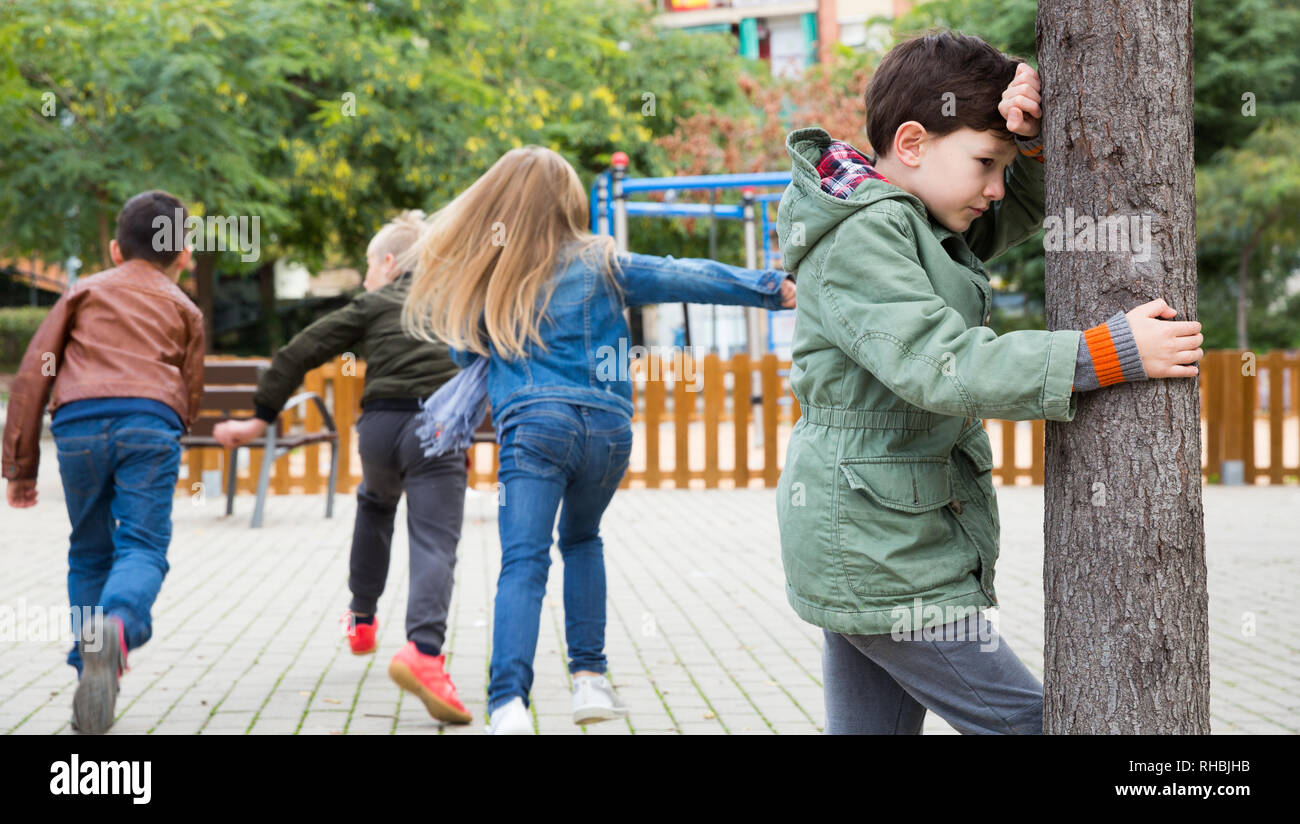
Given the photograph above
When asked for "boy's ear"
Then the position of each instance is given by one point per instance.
(907, 143)
(184, 260)
(115, 253)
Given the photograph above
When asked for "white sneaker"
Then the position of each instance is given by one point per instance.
(594, 700)
(510, 719)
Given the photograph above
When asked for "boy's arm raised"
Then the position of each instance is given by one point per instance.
(1020, 212)
(653, 279)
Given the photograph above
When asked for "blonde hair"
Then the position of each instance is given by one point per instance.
(398, 237)
(487, 256)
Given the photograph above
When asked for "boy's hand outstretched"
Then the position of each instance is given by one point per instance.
(1166, 347)
(1021, 104)
(21, 493)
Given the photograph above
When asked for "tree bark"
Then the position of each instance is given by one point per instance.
(1243, 289)
(266, 293)
(1126, 622)
(205, 262)
(101, 222)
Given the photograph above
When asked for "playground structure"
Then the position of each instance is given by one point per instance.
(611, 205)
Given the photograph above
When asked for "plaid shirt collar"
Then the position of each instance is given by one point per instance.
(843, 168)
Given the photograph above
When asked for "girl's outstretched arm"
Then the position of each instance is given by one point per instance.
(653, 279)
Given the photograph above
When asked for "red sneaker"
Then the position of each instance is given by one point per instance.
(361, 637)
(424, 675)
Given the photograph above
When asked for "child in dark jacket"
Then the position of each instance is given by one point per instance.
(400, 372)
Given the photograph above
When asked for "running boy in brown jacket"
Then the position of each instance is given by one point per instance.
(122, 352)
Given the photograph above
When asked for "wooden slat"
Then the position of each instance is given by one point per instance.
(654, 410)
(311, 478)
(740, 409)
(1007, 472)
(1211, 379)
(1036, 471)
(247, 482)
(229, 398)
(714, 397)
(771, 390)
(1275, 402)
(1249, 395)
(217, 372)
(194, 464)
(343, 400)
(683, 408)
(280, 474)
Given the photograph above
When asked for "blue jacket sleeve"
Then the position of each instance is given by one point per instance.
(651, 279)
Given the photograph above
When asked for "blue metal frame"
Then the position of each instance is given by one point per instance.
(604, 184)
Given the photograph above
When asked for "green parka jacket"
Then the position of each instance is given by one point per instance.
(886, 504)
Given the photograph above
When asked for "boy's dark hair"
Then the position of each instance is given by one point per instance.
(136, 230)
(914, 80)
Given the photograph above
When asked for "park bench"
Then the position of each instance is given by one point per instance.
(229, 386)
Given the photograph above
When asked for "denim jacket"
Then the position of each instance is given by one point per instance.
(585, 360)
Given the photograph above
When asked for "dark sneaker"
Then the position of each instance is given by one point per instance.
(103, 657)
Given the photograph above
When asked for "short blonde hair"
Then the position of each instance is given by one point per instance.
(398, 238)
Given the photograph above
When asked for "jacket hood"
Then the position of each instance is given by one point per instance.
(818, 211)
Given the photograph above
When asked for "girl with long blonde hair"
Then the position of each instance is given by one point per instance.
(508, 272)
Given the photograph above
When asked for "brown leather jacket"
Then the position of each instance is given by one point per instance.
(128, 332)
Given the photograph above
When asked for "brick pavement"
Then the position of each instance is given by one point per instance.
(700, 638)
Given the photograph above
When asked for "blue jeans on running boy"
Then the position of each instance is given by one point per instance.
(553, 454)
(119, 475)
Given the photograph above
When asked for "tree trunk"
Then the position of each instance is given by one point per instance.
(1243, 289)
(270, 317)
(105, 236)
(1124, 568)
(204, 264)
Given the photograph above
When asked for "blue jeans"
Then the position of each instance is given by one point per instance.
(119, 475)
(964, 672)
(553, 454)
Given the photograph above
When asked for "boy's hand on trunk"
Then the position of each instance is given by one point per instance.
(1168, 348)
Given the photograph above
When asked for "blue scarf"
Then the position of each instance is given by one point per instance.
(450, 415)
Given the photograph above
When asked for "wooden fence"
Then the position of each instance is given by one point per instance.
(691, 432)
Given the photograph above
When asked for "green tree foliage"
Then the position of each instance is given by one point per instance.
(321, 117)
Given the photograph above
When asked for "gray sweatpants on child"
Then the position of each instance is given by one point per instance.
(965, 672)
(392, 463)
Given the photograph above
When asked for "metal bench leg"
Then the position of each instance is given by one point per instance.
(334, 479)
(264, 480)
(232, 471)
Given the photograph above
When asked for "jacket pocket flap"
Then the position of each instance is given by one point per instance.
(975, 444)
(917, 484)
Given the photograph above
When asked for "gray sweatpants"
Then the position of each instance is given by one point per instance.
(965, 673)
(392, 463)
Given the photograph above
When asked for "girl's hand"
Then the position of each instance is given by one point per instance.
(1167, 347)
(231, 434)
(1021, 104)
(787, 293)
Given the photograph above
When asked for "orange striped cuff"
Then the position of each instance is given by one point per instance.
(1105, 359)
